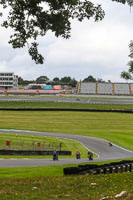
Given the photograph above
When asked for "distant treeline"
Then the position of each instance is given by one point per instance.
(67, 80)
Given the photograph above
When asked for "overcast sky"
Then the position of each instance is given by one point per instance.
(99, 49)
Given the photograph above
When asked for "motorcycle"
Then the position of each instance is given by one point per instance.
(110, 144)
(55, 156)
(78, 156)
(90, 156)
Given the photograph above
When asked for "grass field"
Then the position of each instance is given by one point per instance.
(115, 127)
(48, 182)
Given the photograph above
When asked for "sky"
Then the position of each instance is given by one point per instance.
(99, 49)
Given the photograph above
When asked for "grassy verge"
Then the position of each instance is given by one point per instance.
(41, 171)
(115, 127)
(25, 142)
(70, 187)
(48, 182)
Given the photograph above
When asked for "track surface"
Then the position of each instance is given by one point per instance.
(70, 99)
(98, 146)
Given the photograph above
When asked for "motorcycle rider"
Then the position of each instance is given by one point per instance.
(55, 155)
(90, 155)
(77, 154)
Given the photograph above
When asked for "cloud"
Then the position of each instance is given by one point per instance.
(99, 49)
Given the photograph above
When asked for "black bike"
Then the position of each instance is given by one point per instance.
(90, 155)
(55, 156)
(110, 144)
(77, 155)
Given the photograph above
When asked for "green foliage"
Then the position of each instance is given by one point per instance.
(20, 80)
(67, 80)
(89, 79)
(73, 82)
(33, 18)
(23, 82)
(56, 79)
(29, 142)
(30, 19)
(115, 127)
(45, 80)
(42, 80)
(128, 75)
(66, 187)
(120, 1)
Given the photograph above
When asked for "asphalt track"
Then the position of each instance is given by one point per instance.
(68, 99)
(96, 145)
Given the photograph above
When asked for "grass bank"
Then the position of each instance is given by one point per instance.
(29, 142)
(115, 127)
(48, 182)
(70, 187)
(41, 171)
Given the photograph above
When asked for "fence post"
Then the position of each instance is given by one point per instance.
(22, 142)
(16, 140)
(32, 145)
(32, 142)
(43, 145)
(60, 146)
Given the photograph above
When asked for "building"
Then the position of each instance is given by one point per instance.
(8, 81)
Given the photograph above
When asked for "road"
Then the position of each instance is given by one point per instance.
(75, 100)
(96, 145)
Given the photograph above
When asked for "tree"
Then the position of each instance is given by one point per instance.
(32, 18)
(23, 82)
(100, 80)
(20, 81)
(89, 79)
(129, 74)
(73, 82)
(42, 80)
(66, 79)
(56, 79)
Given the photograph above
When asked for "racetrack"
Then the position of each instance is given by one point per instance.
(77, 99)
(96, 145)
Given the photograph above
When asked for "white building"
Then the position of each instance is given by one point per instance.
(8, 81)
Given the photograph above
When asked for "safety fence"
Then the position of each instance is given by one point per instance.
(33, 152)
(29, 145)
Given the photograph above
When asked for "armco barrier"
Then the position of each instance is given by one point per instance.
(116, 167)
(31, 152)
(67, 109)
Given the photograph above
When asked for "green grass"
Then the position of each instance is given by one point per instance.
(26, 172)
(62, 105)
(115, 127)
(25, 142)
(70, 187)
(49, 182)
(41, 171)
